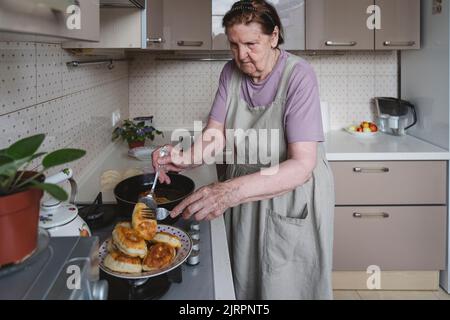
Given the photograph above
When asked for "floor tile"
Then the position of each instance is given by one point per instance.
(346, 295)
(397, 295)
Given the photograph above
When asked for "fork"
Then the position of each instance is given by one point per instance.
(151, 206)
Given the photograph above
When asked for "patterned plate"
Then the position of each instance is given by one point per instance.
(182, 254)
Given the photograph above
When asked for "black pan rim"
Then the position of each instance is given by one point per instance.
(189, 180)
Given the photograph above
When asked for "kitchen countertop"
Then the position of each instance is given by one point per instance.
(342, 146)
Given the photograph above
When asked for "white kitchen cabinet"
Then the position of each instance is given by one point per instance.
(53, 20)
(292, 15)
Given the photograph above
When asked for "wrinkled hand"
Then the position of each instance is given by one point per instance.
(167, 163)
(207, 203)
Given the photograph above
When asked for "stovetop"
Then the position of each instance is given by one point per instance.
(184, 283)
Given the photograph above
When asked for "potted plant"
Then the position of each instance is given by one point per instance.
(135, 133)
(20, 192)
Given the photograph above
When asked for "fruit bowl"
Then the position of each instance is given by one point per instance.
(365, 129)
(362, 134)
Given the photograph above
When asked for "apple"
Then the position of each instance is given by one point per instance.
(373, 127)
(359, 129)
(367, 130)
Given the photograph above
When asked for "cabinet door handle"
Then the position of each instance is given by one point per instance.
(155, 40)
(341, 44)
(370, 170)
(399, 43)
(359, 215)
(183, 43)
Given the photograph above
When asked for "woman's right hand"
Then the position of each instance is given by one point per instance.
(166, 163)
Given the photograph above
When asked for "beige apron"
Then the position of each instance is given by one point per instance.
(280, 248)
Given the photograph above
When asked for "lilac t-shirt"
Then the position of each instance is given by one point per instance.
(302, 117)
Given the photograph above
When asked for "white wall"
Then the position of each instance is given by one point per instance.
(425, 77)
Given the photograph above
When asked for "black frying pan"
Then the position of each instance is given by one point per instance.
(128, 191)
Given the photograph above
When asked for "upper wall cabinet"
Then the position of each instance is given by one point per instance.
(362, 24)
(179, 24)
(55, 20)
(292, 15)
(400, 25)
(338, 24)
(119, 28)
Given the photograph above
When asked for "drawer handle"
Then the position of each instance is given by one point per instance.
(359, 215)
(399, 44)
(341, 44)
(190, 43)
(155, 40)
(370, 170)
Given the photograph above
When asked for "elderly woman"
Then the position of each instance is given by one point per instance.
(279, 224)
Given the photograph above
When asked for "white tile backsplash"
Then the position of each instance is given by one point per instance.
(348, 82)
(73, 106)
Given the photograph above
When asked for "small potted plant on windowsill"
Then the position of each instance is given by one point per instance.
(135, 133)
(21, 190)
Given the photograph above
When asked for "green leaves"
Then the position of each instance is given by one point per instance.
(15, 159)
(135, 131)
(62, 156)
(25, 147)
(55, 191)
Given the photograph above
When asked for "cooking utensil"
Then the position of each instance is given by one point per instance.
(161, 214)
(128, 191)
(148, 200)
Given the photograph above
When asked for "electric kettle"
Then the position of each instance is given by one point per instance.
(61, 219)
(396, 115)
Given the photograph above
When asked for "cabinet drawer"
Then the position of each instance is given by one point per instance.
(390, 183)
(393, 238)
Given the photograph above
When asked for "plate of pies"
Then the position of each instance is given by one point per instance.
(135, 253)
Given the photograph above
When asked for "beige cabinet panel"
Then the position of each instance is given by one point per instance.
(390, 183)
(400, 25)
(119, 29)
(155, 24)
(187, 24)
(392, 238)
(50, 18)
(338, 25)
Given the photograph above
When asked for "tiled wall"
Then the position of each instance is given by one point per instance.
(179, 92)
(73, 106)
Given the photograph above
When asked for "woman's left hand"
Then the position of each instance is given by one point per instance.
(207, 203)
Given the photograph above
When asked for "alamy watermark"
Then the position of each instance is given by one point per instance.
(259, 147)
(73, 20)
(73, 281)
(374, 280)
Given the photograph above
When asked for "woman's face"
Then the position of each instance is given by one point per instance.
(252, 49)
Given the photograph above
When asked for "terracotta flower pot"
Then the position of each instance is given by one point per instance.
(136, 144)
(19, 220)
